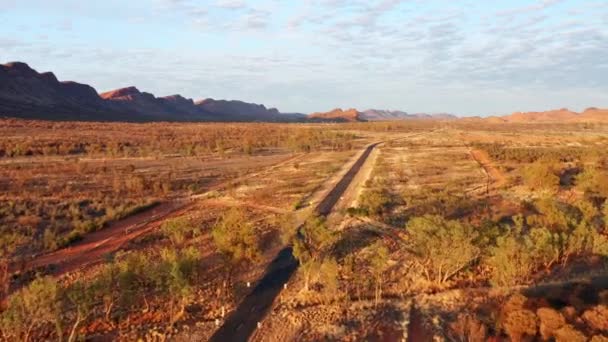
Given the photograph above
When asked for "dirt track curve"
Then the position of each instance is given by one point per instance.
(243, 321)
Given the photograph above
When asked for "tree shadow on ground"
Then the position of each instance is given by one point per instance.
(355, 239)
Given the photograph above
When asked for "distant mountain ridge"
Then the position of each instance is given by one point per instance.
(28, 94)
(338, 115)
(562, 115)
(391, 115)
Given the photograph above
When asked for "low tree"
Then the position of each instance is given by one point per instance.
(309, 244)
(378, 263)
(556, 235)
(106, 284)
(542, 175)
(81, 300)
(237, 239)
(593, 181)
(178, 271)
(178, 230)
(554, 215)
(511, 261)
(33, 307)
(135, 274)
(328, 276)
(375, 201)
(442, 248)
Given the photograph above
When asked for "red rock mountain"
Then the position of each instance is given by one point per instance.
(26, 93)
(338, 115)
(553, 116)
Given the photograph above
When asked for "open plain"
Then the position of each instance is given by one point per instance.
(356, 231)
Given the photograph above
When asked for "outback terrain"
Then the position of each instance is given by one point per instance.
(412, 230)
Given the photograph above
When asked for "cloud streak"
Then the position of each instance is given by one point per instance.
(370, 53)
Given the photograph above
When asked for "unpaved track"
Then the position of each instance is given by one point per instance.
(498, 179)
(241, 323)
(94, 246)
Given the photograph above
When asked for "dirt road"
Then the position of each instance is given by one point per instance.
(94, 246)
(497, 178)
(241, 323)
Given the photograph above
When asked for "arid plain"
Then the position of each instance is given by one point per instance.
(405, 230)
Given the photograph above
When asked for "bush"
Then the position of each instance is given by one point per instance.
(518, 255)
(520, 324)
(542, 175)
(177, 230)
(593, 181)
(236, 237)
(512, 261)
(375, 201)
(568, 333)
(441, 247)
(597, 318)
(309, 245)
(467, 328)
(550, 321)
(33, 307)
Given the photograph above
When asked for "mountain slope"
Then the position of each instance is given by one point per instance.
(29, 94)
(338, 115)
(26, 93)
(553, 116)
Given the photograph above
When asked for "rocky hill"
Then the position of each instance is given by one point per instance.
(29, 94)
(338, 115)
(26, 93)
(553, 116)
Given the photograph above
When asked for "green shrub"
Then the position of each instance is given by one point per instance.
(309, 245)
(512, 261)
(178, 230)
(542, 175)
(593, 181)
(441, 247)
(236, 237)
(33, 307)
(375, 201)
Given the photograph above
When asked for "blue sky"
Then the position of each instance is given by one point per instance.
(464, 57)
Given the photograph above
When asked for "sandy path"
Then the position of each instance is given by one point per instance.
(498, 178)
(94, 246)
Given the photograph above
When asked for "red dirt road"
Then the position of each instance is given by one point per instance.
(94, 246)
(490, 169)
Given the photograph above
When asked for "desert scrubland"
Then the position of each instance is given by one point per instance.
(455, 230)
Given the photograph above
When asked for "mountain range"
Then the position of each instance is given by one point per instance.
(26, 93)
(390, 115)
(563, 115)
(352, 115)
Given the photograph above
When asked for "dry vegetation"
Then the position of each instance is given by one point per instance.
(434, 218)
(466, 233)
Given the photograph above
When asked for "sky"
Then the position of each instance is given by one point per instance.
(463, 57)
